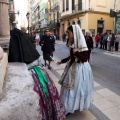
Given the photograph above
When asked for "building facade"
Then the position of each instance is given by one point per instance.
(93, 15)
(115, 13)
(43, 16)
(39, 15)
(54, 16)
(22, 8)
(34, 12)
(11, 13)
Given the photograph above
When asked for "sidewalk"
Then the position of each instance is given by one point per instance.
(106, 103)
(86, 115)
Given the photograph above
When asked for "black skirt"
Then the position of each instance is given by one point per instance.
(46, 56)
(111, 43)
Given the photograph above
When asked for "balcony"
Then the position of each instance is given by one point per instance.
(55, 7)
(77, 7)
(54, 23)
(49, 11)
(44, 25)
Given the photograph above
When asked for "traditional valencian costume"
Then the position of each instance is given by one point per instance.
(77, 79)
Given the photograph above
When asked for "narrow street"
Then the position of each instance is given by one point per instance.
(105, 65)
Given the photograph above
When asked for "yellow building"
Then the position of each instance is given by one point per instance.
(93, 15)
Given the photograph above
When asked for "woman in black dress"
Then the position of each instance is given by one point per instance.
(47, 44)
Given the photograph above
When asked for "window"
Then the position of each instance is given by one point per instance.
(46, 10)
(73, 4)
(45, 21)
(67, 5)
(79, 5)
(54, 16)
(57, 16)
(42, 22)
(63, 6)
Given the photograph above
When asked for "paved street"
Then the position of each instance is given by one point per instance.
(106, 67)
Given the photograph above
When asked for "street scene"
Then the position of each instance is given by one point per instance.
(60, 60)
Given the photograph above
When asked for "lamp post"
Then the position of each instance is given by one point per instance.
(28, 16)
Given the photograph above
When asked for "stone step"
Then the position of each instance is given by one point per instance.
(20, 101)
(3, 66)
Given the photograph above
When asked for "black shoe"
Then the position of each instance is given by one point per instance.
(68, 114)
(45, 65)
(49, 67)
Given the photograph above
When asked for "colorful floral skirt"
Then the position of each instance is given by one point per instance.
(50, 105)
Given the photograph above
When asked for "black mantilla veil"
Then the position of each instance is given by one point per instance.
(21, 48)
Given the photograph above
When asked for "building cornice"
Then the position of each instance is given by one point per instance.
(81, 13)
(4, 1)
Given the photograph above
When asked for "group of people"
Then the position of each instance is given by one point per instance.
(107, 41)
(77, 78)
(76, 81)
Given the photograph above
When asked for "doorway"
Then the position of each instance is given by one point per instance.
(100, 26)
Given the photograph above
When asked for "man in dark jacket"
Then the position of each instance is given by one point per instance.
(47, 46)
(89, 42)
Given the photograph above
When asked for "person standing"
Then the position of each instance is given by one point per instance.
(97, 38)
(112, 42)
(37, 38)
(105, 40)
(117, 39)
(47, 45)
(64, 37)
(53, 36)
(101, 40)
(108, 40)
(77, 79)
(89, 42)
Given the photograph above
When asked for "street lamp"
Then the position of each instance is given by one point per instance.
(28, 16)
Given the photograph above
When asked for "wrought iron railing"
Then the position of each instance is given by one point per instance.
(78, 7)
(54, 21)
(49, 10)
(55, 7)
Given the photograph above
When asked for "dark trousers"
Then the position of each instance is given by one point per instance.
(89, 52)
(116, 46)
(101, 45)
(97, 43)
(105, 45)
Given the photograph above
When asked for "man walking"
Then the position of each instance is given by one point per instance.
(47, 44)
(89, 42)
